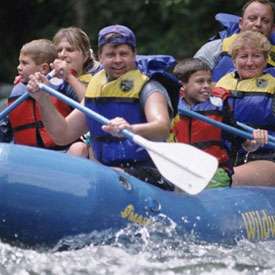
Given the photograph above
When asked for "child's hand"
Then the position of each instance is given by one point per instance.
(17, 79)
(260, 139)
(33, 86)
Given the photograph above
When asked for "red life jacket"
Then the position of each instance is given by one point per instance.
(26, 124)
(201, 134)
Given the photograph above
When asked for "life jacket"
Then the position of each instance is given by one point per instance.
(90, 71)
(229, 24)
(230, 28)
(119, 97)
(252, 100)
(85, 78)
(225, 63)
(199, 133)
(159, 68)
(26, 123)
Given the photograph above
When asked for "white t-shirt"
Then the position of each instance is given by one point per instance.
(210, 52)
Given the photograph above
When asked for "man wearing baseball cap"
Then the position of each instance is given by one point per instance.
(124, 36)
(123, 94)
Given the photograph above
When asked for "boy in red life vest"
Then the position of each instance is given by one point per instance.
(196, 94)
(25, 120)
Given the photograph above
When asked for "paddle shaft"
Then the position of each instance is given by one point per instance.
(177, 162)
(13, 105)
(20, 99)
(221, 125)
(99, 118)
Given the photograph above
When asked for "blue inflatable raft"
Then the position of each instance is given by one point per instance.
(46, 196)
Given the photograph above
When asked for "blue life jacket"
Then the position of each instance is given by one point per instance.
(230, 25)
(159, 68)
(119, 97)
(252, 101)
(116, 151)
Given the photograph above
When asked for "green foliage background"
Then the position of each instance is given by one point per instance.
(176, 27)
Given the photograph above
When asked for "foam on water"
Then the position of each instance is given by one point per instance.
(139, 250)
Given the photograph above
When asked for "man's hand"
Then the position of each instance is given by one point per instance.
(116, 125)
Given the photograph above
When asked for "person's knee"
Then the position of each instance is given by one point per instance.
(260, 173)
(79, 149)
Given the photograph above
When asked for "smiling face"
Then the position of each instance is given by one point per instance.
(117, 59)
(257, 17)
(198, 87)
(250, 62)
(73, 56)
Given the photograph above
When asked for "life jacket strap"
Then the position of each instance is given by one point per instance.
(36, 125)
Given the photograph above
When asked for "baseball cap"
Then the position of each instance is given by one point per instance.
(124, 36)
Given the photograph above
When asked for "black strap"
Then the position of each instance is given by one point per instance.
(205, 144)
(241, 94)
(36, 125)
(109, 139)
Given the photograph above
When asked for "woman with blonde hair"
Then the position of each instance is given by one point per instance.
(252, 99)
(76, 64)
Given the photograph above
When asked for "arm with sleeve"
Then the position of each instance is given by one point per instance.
(151, 87)
(210, 52)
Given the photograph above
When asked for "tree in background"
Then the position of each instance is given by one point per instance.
(176, 27)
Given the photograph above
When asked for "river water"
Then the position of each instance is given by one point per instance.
(137, 250)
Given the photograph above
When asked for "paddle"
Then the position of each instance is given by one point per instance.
(19, 100)
(13, 105)
(251, 129)
(221, 125)
(187, 167)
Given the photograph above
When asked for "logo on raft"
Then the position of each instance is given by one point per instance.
(130, 214)
(259, 225)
